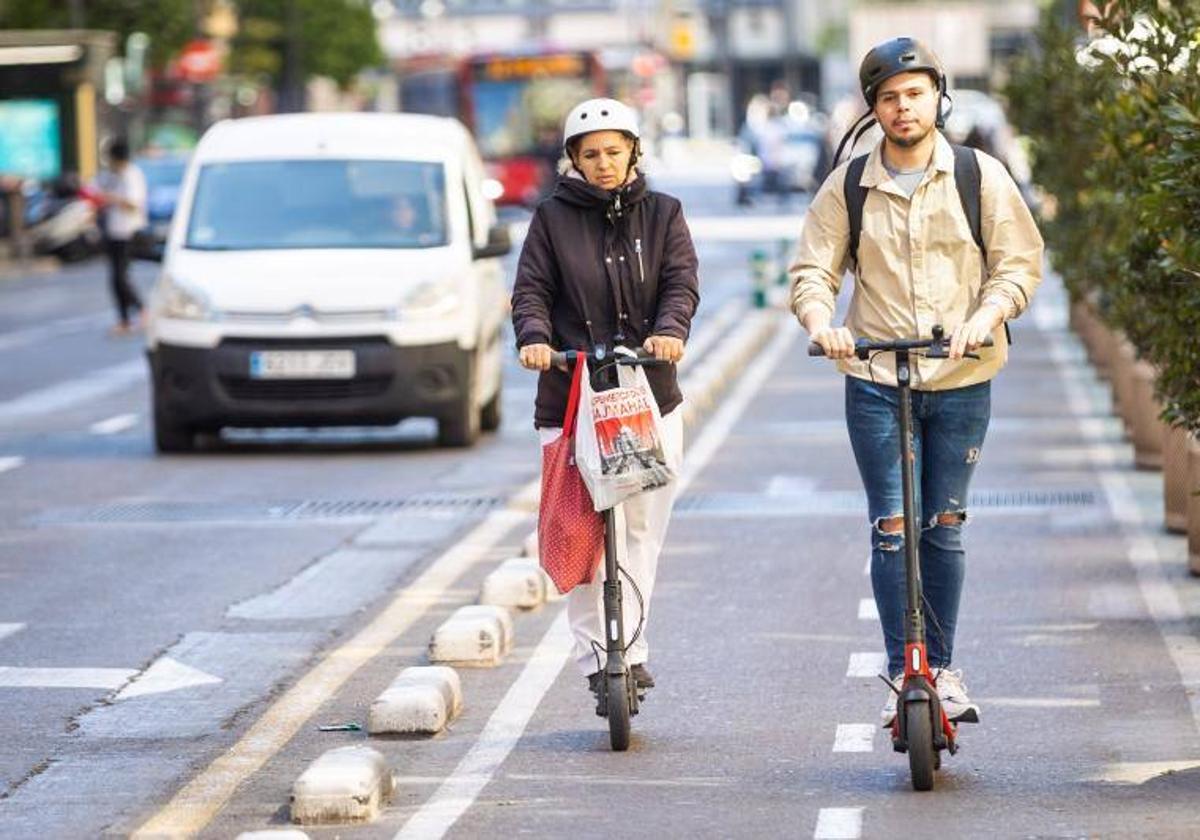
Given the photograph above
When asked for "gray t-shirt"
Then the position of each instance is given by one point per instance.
(907, 179)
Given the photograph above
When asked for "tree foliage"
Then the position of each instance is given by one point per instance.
(169, 23)
(334, 38)
(1115, 126)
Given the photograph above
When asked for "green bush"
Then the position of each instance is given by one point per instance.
(1115, 131)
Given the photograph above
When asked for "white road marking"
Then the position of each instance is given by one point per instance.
(499, 736)
(1159, 595)
(199, 800)
(73, 392)
(10, 462)
(1042, 702)
(114, 425)
(107, 678)
(163, 675)
(867, 566)
(30, 335)
(1140, 772)
(839, 824)
(461, 788)
(9, 629)
(867, 611)
(855, 737)
(1081, 627)
(866, 664)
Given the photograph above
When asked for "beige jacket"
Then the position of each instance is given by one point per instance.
(918, 264)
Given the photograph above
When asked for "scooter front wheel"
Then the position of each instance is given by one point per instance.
(918, 735)
(619, 712)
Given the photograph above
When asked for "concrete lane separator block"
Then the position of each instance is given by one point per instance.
(344, 785)
(518, 583)
(530, 545)
(274, 834)
(478, 636)
(421, 701)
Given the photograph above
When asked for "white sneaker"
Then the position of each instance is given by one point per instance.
(953, 694)
(888, 715)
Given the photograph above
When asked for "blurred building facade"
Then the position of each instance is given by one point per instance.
(719, 52)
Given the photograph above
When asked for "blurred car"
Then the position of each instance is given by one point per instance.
(164, 178)
(780, 156)
(330, 270)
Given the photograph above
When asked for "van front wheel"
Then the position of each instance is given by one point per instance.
(461, 426)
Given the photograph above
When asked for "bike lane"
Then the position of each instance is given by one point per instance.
(764, 723)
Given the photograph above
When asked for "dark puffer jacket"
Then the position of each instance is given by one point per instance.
(604, 267)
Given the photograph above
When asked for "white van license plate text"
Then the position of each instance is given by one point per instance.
(302, 364)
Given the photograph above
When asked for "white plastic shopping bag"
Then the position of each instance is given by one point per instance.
(618, 440)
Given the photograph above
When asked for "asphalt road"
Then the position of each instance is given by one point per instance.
(228, 575)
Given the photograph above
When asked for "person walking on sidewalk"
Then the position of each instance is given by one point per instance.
(917, 265)
(123, 191)
(608, 262)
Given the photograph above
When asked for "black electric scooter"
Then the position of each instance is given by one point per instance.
(619, 696)
(921, 727)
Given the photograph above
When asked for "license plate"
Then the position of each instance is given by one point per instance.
(302, 364)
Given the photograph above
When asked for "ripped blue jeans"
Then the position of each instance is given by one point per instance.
(948, 432)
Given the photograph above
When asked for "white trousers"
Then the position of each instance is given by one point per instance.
(641, 526)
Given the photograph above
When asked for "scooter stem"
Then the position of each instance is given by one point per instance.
(914, 633)
(614, 625)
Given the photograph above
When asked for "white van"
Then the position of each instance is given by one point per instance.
(329, 269)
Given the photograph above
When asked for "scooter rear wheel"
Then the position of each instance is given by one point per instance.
(618, 711)
(922, 756)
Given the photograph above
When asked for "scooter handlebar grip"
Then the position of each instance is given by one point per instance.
(815, 349)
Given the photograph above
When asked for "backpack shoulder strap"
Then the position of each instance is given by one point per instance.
(856, 196)
(969, 180)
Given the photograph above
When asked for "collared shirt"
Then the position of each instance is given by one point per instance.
(918, 265)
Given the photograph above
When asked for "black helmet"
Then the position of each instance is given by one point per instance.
(899, 55)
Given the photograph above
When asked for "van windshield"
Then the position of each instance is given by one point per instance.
(289, 204)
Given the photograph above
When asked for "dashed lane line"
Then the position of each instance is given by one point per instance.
(854, 738)
(10, 462)
(839, 824)
(7, 630)
(73, 392)
(867, 664)
(114, 425)
(867, 611)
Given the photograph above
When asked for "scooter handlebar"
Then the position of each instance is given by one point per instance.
(563, 358)
(862, 345)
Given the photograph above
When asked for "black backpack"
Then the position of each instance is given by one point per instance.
(967, 179)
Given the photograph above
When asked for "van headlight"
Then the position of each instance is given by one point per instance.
(429, 300)
(184, 302)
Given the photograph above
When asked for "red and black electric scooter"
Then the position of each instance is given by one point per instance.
(921, 727)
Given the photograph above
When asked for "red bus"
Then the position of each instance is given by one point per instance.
(514, 103)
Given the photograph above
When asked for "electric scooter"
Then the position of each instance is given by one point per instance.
(619, 696)
(921, 727)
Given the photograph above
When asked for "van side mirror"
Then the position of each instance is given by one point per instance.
(499, 243)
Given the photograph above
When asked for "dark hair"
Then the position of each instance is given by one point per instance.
(119, 149)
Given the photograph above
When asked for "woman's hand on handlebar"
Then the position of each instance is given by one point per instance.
(664, 348)
(837, 342)
(537, 356)
(970, 335)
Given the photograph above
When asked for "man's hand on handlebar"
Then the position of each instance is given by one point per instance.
(837, 342)
(537, 356)
(665, 348)
(970, 335)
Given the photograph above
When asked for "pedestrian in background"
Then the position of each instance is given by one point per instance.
(608, 262)
(123, 214)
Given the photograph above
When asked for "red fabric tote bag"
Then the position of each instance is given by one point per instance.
(570, 532)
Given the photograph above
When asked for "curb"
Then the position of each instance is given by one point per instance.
(421, 701)
(344, 785)
(518, 583)
(478, 636)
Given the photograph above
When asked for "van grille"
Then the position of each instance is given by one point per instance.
(364, 387)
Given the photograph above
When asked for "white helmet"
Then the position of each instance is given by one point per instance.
(600, 115)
